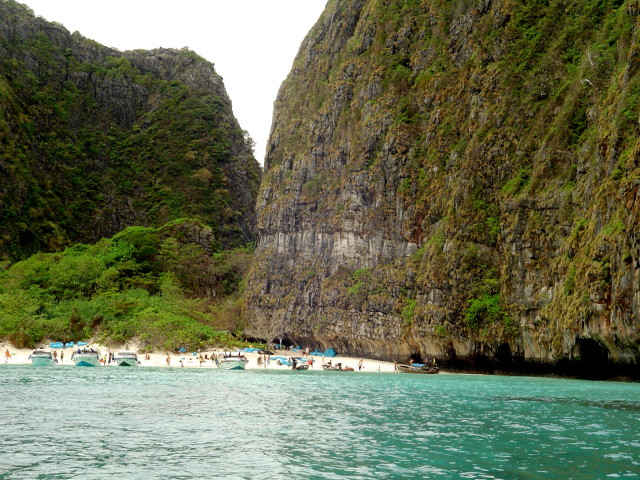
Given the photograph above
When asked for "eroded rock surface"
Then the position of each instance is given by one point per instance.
(459, 180)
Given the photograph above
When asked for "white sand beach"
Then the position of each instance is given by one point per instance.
(20, 356)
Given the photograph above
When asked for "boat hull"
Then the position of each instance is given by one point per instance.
(127, 362)
(127, 359)
(42, 360)
(86, 360)
(232, 364)
(424, 370)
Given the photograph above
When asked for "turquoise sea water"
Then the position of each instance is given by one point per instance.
(160, 423)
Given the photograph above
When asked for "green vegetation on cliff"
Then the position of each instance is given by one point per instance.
(480, 160)
(93, 140)
(162, 287)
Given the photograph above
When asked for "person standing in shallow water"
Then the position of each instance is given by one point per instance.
(168, 359)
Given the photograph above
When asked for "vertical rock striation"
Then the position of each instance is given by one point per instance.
(460, 180)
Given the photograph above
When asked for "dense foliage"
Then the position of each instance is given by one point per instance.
(93, 140)
(162, 288)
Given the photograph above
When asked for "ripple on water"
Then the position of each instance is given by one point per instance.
(188, 423)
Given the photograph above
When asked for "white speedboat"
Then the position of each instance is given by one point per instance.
(127, 359)
(232, 361)
(86, 357)
(42, 357)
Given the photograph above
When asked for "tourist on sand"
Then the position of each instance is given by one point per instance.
(168, 359)
(61, 356)
(7, 356)
(360, 365)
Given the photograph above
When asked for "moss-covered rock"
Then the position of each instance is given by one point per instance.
(93, 140)
(480, 160)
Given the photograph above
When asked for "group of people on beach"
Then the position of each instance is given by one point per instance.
(264, 360)
(202, 359)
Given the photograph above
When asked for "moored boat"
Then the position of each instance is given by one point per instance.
(417, 368)
(42, 357)
(86, 357)
(299, 363)
(233, 361)
(337, 367)
(127, 359)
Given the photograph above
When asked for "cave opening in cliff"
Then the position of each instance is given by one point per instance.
(503, 354)
(415, 358)
(252, 339)
(592, 357)
(285, 341)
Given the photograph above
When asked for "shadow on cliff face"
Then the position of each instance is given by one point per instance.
(590, 360)
(503, 361)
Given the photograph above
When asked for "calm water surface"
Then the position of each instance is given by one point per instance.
(159, 423)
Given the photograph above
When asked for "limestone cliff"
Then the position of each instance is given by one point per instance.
(458, 179)
(93, 140)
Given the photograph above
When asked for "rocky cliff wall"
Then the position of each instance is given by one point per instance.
(459, 180)
(93, 140)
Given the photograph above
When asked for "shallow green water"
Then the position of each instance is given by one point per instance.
(148, 423)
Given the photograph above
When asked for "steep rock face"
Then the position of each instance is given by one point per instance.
(460, 180)
(93, 140)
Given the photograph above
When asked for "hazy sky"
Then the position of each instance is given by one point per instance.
(251, 42)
